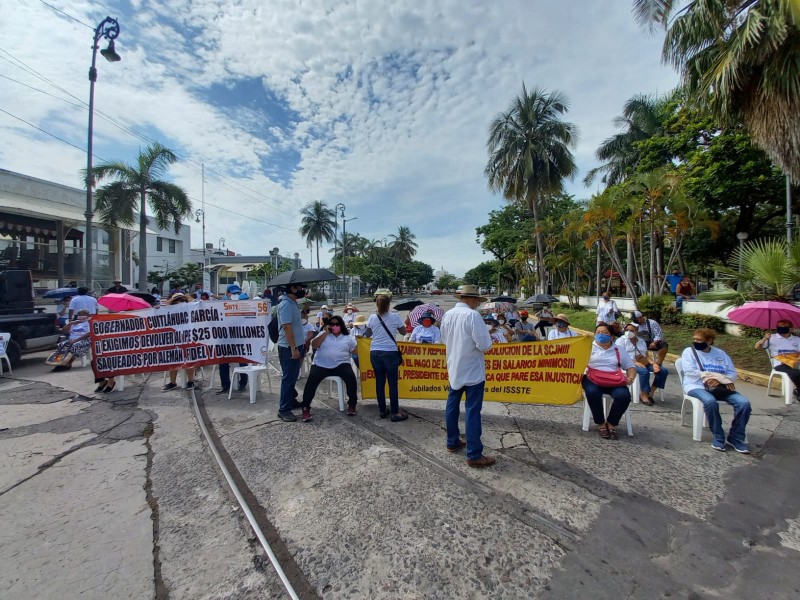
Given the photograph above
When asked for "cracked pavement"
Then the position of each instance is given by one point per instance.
(115, 495)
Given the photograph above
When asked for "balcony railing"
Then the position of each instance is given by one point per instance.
(42, 260)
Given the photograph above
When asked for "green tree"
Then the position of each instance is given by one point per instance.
(483, 275)
(416, 274)
(188, 274)
(448, 282)
(135, 188)
(507, 231)
(739, 57)
(529, 154)
(403, 246)
(317, 224)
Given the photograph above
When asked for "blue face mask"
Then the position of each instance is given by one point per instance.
(602, 338)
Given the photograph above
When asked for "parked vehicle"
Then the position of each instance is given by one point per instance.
(31, 328)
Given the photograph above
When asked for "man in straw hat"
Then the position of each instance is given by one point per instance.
(561, 329)
(466, 338)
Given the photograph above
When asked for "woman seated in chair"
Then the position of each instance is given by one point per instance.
(784, 350)
(604, 376)
(77, 343)
(636, 348)
(333, 346)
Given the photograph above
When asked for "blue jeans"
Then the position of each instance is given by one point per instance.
(472, 420)
(741, 414)
(386, 365)
(644, 377)
(290, 372)
(594, 396)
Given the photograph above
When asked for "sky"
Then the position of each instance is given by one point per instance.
(381, 106)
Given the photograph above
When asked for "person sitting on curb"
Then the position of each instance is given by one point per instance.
(546, 317)
(784, 350)
(524, 329)
(709, 375)
(492, 326)
(637, 350)
(561, 329)
(650, 331)
(333, 346)
(684, 291)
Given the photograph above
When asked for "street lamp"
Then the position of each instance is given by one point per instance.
(344, 252)
(221, 244)
(108, 29)
(336, 210)
(200, 213)
(741, 236)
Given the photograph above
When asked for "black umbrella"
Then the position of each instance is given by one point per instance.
(541, 299)
(149, 298)
(408, 304)
(61, 292)
(505, 299)
(302, 276)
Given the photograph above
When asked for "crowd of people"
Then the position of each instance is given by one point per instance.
(622, 353)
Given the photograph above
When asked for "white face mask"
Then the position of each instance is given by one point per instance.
(83, 318)
(234, 296)
(489, 326)
(630, 334)
(304, 321)
(502, 322)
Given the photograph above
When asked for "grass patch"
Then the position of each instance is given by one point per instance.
(740, 349)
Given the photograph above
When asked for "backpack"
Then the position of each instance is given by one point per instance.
(272, 328)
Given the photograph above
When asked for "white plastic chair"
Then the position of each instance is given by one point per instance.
(698, 412)
(4, 339)
(587, 412)
(253, 373)
(786, 382)
(333, 379)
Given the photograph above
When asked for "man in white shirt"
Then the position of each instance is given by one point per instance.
(83, 301)
(783, 344)
(466, 338)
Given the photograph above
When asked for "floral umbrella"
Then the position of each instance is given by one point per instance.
(417, 312)
(498, 307)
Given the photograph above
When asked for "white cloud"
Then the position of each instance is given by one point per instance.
(388, 103)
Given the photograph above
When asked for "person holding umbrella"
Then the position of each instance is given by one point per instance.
(784, 350)
(426, 332)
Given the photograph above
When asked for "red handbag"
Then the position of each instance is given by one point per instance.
(608, 379)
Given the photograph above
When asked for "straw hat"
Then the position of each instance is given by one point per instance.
(178, 297)
(562, 317)
(360, 320)
(470, 291)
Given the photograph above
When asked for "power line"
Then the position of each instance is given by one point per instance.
(45, 132)
(58, 10)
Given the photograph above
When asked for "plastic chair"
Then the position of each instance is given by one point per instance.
(340, 388)
(253, 373)
(587, 412)
(698, 412)
(4, 339)
(786, 382)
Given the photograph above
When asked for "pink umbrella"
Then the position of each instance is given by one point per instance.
(765, 314)
(122, 302)
(417, 311)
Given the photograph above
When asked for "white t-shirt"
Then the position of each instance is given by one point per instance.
(380, 339)
(606, 311)
(426, 335)
(78, 329)
(606, 360)
(778, 344)
(556, 334)
(83, 303)
(498, 336)
(713, 361)
(334, 351)
(633, 350)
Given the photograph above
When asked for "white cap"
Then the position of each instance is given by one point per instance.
(324, 306)
(637, 314)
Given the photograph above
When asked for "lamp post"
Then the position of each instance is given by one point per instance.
(336, 210)
(344, 252)
(221, 244)
(741, 236)
(108, 29)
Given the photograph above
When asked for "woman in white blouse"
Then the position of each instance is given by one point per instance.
(333, 345)
(604, 376)
(384, 354)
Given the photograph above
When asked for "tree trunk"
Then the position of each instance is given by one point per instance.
(630, 262)
(317, 242)
(534, 205)
(143, 242)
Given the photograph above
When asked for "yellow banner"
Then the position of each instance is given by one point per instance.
(523, 372)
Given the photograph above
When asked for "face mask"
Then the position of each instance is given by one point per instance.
(699, 345)
(335, 329)
(524, 319)
(502, 322)
(560, 324)
(630, 334)
(304, 321)
(301, 293)
(489, 326)
(606, 298)
(83, 318)
(602, 338)
(427, 323)
(783, 330)
(234, 296)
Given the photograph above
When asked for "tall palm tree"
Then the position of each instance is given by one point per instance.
(740, 57)
(642, 117)
(529, 155)
(403, 246)
(317, 224)
(135, 188)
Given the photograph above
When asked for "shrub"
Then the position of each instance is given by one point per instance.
(751, 332)
(693, 321)
(318, 297)
(671, 316)
(655, 306)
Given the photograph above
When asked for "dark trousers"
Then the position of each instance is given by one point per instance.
(386, 365)
(794, 375)
(290, 368)
(225, 376)
(594, 396)
(542, 326)
(317, 374)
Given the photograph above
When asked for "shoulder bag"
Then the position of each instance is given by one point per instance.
(607, 379)
(718, 391)
(400, 352)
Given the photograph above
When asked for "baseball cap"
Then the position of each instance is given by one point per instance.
(233, 289)
(636, 314)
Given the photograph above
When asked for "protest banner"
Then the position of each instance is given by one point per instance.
(547, 372)
(180, 336)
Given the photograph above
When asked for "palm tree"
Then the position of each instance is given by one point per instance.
(136, 187)
(529, 155)
(740, 57)
(642, 117)
(317, 224)
(403, 246)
